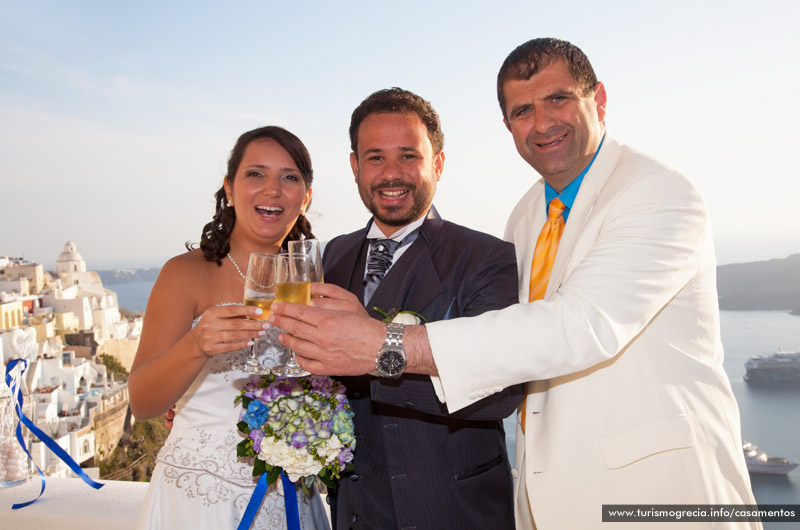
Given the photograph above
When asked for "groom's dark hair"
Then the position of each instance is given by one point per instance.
(397, 101)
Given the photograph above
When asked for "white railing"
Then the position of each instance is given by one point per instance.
(70, 504)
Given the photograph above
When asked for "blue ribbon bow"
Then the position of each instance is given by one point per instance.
(12, 383)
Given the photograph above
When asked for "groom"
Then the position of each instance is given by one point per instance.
(416, 466)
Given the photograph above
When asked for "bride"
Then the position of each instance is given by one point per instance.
(194, 330)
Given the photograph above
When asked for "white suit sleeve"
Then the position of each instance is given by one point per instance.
(634, 254)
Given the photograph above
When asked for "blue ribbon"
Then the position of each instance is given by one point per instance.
(12, 383)
(289, 503)
(254, 504)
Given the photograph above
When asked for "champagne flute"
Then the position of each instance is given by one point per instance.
(293, 285)
(310, 248)
(259, 291)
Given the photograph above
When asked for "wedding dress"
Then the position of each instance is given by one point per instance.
(198, 481)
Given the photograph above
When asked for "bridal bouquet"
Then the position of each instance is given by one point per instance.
(300, 425)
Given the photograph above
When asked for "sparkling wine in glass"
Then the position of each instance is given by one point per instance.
(293, 285)
(259, 291)
(311, 249)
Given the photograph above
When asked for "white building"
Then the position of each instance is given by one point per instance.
(81, 292)
(20, 286)
(70, 260)
(69, 391)
(12, 269)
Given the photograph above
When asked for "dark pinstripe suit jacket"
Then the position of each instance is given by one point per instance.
(416, 466)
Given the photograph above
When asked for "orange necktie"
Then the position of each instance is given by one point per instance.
(544, 255)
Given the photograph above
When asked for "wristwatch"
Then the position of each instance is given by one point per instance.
(391, 360)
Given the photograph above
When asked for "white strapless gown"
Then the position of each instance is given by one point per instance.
(198, 481)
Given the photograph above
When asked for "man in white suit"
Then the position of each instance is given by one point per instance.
(627, 399)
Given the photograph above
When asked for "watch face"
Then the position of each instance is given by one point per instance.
(391, 362)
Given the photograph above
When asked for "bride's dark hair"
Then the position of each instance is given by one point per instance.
(215, 241)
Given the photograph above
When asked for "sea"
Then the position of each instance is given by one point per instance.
(770, 416)
(132, 295)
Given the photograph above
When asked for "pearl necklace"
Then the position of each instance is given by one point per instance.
(237, 266)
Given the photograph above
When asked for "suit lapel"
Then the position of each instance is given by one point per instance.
(592, 184)
(526, 232)
(412, 282)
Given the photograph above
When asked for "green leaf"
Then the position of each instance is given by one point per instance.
(246, 402)
(245, 448)
(273, 474)
(259, 467)
(308, 483)
(243, 427)
(327, 480)
(237, 399)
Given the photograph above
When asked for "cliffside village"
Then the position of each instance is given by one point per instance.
(61, 321)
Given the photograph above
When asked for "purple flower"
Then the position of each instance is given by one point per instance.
(257, 435)
(284, 387)
(299, 440)
(324, 433)
(345, 455)
(321, 383)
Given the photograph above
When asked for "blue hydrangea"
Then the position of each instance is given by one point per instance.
(256, 414)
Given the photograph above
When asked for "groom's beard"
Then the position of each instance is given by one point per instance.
(421, 198)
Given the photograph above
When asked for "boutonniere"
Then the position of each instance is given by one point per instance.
(399, 316)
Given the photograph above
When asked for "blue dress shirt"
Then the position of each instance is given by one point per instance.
(568, 194)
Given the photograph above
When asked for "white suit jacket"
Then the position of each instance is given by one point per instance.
(627, 399)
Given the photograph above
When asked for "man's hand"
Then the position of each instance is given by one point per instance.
(335, 298)
(330, 341)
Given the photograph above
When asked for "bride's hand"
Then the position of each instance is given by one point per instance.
(336, 299)
(227, 328)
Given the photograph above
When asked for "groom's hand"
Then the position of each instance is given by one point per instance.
(329, 342)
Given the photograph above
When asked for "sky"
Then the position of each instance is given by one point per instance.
(116, 118)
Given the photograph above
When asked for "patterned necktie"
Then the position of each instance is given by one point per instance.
(543, 257)
(380, 259)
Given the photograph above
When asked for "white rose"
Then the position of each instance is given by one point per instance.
(407, 319)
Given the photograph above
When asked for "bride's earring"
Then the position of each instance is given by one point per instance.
(229, 204)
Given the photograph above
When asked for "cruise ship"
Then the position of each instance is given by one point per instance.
(782, 367)
(759, 462)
